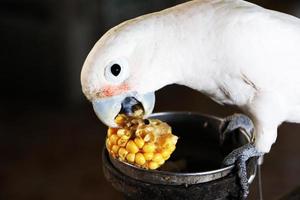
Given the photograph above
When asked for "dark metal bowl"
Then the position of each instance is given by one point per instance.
(201, 148)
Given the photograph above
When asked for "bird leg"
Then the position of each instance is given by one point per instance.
(240, 155)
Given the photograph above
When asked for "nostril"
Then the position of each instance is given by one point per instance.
(130, 105)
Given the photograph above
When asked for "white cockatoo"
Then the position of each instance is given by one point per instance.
(233, 51)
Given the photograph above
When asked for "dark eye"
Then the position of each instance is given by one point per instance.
(115, 69)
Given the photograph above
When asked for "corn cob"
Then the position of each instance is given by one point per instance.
(145, 143)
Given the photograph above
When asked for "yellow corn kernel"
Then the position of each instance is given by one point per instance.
(171, 148)
(148, 156)
(140, 132)
(165, 153)
(130, 157)
(122, 153)
(161, 162)
(140, 159)
(167, 157)
(115, 149)
(132, 147)
(123, 141)
(139, 142)
(154, 121)
(113, 139)
(149, 148)
(121, 132)
(119, 119)
(138, 112)
(168, 140)
(149, 137)
(158, 158)
(110, 132)
(153, 165)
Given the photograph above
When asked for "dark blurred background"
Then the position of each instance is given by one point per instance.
(50, 139)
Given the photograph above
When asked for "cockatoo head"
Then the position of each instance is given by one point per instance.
(126, 64)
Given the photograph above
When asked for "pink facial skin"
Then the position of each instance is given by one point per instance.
(113, 90)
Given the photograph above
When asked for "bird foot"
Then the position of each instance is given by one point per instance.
(241, 155)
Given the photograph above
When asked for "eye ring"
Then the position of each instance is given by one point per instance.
(116, 71)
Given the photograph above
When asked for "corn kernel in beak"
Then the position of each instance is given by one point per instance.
(120, 119)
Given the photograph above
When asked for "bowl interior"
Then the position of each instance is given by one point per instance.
(200, 147)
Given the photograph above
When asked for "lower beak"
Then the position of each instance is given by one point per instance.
(108, 108)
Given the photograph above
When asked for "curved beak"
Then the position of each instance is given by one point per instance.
(108, 108)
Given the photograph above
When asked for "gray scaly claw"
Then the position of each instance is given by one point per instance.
(240, 156)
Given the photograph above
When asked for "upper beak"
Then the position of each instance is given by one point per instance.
(108, 108)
